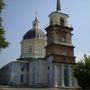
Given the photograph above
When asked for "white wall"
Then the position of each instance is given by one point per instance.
(38, 72)
(50, 71)
(37, 48)
(16, 73)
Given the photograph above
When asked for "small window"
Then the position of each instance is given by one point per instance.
(51, 22)
(48, 67)
(62, 22)
(21, 79)
(34, 24)
(63, 39)
(22, 69)
(27, 67)
(50, 40)
(64, 58)
(37, 36)
(30, 49)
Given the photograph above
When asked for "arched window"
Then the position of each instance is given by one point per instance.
(48, 67)
(37, 36)
(62, 22)
(51, 22)
(30, 49)
(34, 24)
(22, 78)
(22, 69)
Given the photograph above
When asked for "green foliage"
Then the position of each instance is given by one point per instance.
(1, 5)
(3, 42)
(82, 72)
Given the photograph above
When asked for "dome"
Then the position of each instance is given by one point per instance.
(34, 34)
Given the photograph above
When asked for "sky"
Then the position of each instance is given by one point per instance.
(19, 14)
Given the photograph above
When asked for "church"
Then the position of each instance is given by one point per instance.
(46, 59)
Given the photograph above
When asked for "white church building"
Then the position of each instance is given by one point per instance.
(45, 60)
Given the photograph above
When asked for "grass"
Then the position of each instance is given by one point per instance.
(2, 89)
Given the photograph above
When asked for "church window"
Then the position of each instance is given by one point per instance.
(62, 22)
(51, 21)
(63, 39)
(68, 37)
(22, 77)
(34, 24)
(22, 69)
(64, 58)
(48, 67)
(40, 50)
(30, 49)
(50, 40)
(27, 67)
(37, 36)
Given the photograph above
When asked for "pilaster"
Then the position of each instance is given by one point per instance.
(62, 75)
(70, 75)
(55, 76)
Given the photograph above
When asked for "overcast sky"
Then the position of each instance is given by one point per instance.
(19, 14)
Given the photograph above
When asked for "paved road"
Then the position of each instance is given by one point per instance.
(4, 87)
(25, 88)
(29, 89)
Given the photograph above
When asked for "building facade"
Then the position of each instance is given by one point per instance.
(45, 60)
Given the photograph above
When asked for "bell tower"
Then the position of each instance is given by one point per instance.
(59, 37)
(60, 48)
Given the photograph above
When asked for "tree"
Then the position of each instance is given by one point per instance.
(82, 72)
(3, 42)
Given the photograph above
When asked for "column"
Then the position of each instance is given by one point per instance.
(62, 75)
(70, 75)
(55, 76)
